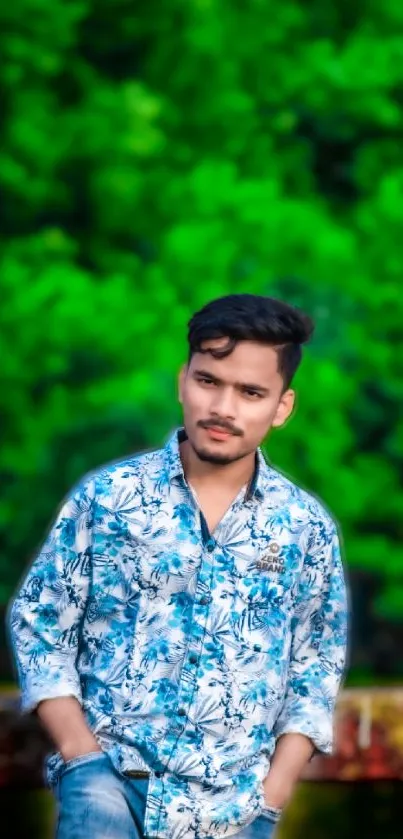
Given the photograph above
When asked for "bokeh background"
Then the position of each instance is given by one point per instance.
(154, 155)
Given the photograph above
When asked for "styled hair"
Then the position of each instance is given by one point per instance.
(250, 317)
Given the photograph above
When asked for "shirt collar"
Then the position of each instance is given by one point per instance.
(174, 469)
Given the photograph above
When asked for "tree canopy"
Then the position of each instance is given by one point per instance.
(158, 155)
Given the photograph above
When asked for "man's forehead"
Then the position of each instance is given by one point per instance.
(248, 360)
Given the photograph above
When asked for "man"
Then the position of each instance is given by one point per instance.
(182, 633)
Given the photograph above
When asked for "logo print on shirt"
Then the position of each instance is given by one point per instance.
(271, 560)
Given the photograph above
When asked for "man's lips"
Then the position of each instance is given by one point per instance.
(218, 433)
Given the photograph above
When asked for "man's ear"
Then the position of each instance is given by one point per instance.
(284, 409)
(181, 382)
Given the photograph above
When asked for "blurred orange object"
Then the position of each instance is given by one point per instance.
(368, 738)
(368, 741)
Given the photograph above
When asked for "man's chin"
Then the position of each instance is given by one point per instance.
(215, 458)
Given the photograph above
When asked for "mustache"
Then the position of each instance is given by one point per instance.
(226, 426)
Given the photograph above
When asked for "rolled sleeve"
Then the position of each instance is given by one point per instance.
(45, 616)
(319, 644)
(56, 686)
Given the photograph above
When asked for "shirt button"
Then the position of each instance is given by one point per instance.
(193, 658)
(210, 546)
(181, 712)
(204, 600)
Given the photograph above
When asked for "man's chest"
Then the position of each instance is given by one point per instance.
(164, 548)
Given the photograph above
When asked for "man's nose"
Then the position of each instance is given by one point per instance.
(223, 404)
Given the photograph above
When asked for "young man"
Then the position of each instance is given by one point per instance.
(182, 633)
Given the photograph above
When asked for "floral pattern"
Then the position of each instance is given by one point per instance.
(190, 653)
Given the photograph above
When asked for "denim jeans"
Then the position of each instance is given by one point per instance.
(96, 802)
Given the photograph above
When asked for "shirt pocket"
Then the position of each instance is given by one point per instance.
(261, 613)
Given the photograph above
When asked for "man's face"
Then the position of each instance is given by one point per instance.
(229, 404)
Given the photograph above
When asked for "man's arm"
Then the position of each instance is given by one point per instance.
(293, 751)
(65, 723)
(44, 623)
(318, 656)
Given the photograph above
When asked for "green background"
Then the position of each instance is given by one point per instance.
(155, 155)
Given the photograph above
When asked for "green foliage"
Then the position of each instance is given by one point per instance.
(155, 157)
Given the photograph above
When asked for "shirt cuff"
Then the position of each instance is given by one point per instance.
(31, 696)
(321, 736)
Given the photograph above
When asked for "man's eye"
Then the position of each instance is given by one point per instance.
(252, 393)
(205, 380)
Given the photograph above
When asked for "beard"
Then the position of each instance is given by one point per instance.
(217, 459)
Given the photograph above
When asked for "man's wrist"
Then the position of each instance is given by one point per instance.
(276, 795)
(76, 748)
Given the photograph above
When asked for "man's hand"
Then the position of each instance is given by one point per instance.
(290, 758)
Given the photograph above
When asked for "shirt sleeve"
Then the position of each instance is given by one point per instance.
(319, 643)
(44, 617)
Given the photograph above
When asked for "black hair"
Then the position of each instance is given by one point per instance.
(250, 317)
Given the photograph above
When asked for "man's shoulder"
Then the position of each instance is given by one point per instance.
(127, 472)
(284, 492)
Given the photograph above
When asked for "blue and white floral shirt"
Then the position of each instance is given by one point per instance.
(190, 653)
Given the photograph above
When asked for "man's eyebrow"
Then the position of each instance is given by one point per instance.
(239, 385)
(208, 375)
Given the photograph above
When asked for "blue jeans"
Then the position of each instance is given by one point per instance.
(96, 802)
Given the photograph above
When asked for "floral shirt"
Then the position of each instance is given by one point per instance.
(191, 653)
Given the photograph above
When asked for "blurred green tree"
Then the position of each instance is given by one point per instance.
(153, 158)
